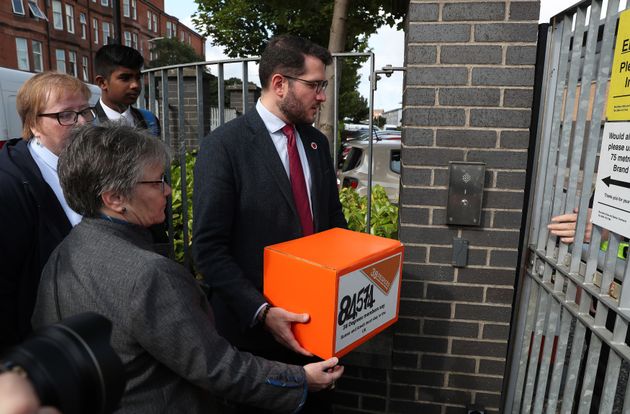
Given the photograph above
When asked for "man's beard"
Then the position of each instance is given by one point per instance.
(294, 110)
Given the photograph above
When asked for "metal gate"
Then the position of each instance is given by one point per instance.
(569, 348)
(190, 100)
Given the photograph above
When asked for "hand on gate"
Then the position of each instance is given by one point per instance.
(564, 226)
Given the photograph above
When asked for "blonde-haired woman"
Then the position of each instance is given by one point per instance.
(34, 216)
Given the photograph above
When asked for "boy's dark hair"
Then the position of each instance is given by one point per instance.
(109, 57)
(285, 54)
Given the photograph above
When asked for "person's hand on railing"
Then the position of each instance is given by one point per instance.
(564, 226)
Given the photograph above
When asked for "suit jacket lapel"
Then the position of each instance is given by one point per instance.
(315, 167)
(261, 143)
(100, 113)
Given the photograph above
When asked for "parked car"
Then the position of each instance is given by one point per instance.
(363, 135)
(385, 167)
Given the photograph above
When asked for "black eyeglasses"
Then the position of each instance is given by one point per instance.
(319, 85)
(161, 181)
(67, 118)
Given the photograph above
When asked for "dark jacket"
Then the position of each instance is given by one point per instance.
(32, 224)
(101, 116)
(243, 202)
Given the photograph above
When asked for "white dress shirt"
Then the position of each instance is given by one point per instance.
(125, 117)
(47, 163)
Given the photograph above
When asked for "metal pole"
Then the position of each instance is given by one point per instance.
(368, 216)
(335, 112)
(117, 26)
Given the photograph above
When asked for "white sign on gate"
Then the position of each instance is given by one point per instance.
(611, 203)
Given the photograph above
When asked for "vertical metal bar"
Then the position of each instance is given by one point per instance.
(201, 121)
(181, 114)
(550, 335)
(245, 87)
(611, 379)
(558, 369)
(573, 369)
(336, 142)
(368, 216)
(221, 92)
(166, 136)
(588, 382)
(184, 188)
(152, 103)
(532, 368)
(523, 342)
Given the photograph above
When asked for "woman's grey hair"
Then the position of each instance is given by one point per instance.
(108, 157)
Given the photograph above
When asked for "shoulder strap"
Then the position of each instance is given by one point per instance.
(151, 120)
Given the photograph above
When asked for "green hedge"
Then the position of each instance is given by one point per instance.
(178, 218)
(384, 220)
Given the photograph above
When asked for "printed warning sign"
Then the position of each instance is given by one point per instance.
(618, 106)
(611, 203)
(367, 298)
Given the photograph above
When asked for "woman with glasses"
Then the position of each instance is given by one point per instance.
(163, 328)
(34, 215)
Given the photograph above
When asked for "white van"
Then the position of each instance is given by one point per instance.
(10, 82)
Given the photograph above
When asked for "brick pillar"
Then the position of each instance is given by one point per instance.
(467, 97)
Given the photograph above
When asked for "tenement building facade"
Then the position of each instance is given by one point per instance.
(64, 35)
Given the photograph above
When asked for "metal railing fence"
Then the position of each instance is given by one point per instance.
(190, 103)
(569, 351)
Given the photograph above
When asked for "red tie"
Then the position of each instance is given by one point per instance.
(298, 183)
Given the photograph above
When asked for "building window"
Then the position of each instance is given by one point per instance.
(126, 8)
(104, 2)
(127, 39)
(85, 68)
(36, 11)
(95, 28)
(72, 59)
(18, 7)
(21, 47)
(155, 25)
(149, 20)
(57, 15)
(106, 33)
(134, 40)
(70, 18)
(182, 36)
(38, 61)
(134, 10)
(60, 56)
(83, 22)
(169, 29)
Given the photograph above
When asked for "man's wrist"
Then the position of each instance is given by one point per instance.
(263, 314)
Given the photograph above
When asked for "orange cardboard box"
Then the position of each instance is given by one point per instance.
(348, 282)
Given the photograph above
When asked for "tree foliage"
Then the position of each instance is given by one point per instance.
(242, 28)
(170, 51)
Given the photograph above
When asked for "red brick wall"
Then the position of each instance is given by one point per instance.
(13, 25)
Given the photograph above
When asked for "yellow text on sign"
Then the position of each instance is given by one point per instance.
(618, 106)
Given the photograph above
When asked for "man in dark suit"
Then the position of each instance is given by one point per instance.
(264, 178)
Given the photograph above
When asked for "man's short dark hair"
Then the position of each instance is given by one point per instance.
(285, 54)
(109, 57)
